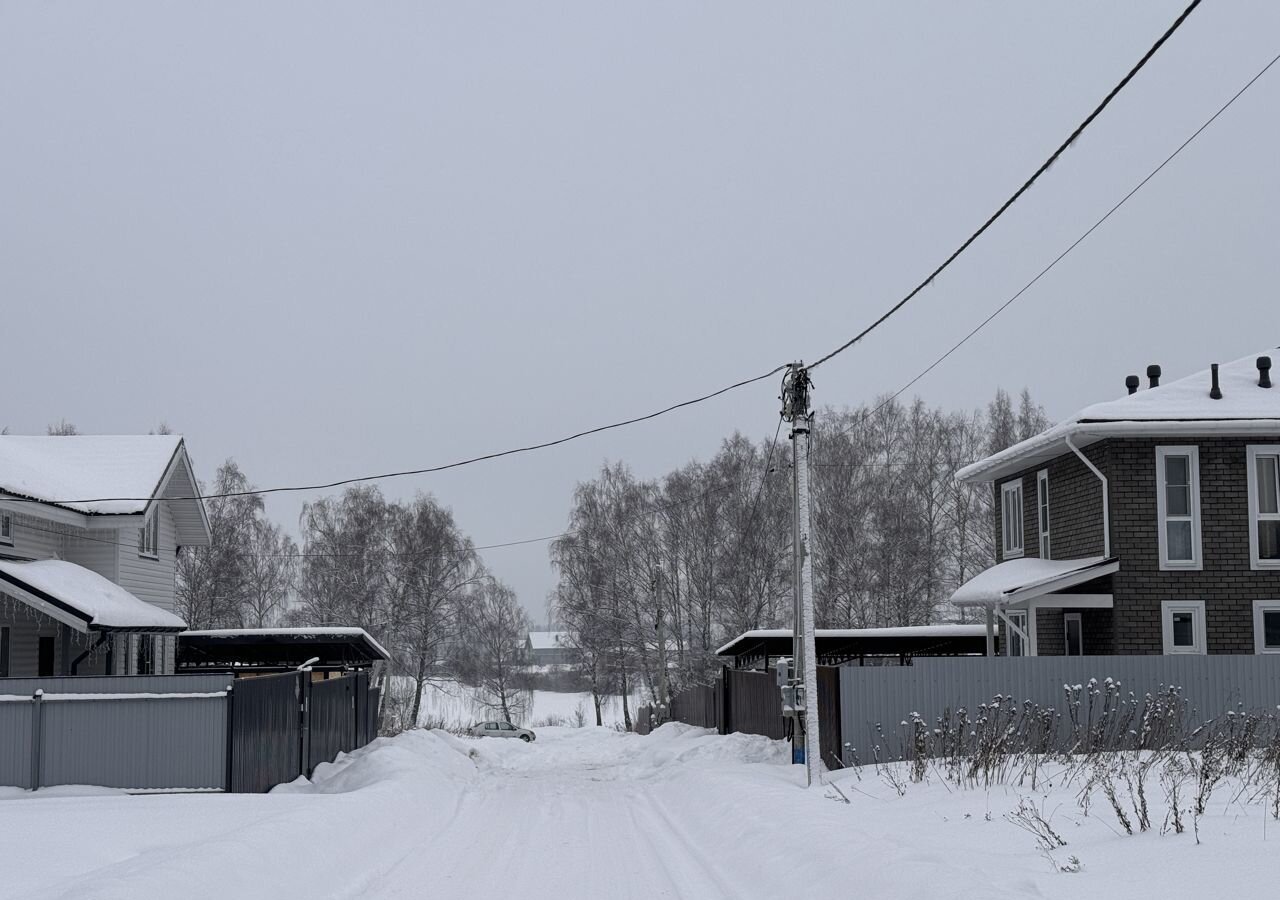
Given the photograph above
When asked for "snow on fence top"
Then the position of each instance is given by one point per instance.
(86, 467)
(1183, 406)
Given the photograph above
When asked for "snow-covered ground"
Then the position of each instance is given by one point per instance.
(592, 813)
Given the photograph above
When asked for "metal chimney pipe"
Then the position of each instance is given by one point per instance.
(1215, 392)
(1264, 371)
(1153, 372)
(1132, 382)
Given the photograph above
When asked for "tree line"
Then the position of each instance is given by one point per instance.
(402, 571)
(707, 547)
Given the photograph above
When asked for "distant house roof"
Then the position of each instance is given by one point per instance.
(278, 648)
(1178, 407)
(937, 639)
(102, 475)
(1026, 578)
(82, 598)
(549, 640)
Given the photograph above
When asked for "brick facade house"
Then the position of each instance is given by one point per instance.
(1144, 525)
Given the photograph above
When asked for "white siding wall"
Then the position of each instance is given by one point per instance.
(26, 627)
(149, 579)
(97, 550)
(33, 537)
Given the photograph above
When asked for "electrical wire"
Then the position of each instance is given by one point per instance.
(423, 471)
(1044, 167)
(1063, 255)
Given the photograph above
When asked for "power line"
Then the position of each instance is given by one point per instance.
(424, 471)
(1074, 244)
(1044, 167)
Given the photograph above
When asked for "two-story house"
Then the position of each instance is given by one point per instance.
(1144, 525)
(90, 526)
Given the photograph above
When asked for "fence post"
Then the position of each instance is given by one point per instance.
(231, 744)
(724, 723)
(304, 732)
(37, 722)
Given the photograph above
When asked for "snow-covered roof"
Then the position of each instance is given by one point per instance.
(84, 472)
(910, 631)
(1177, 407)
(1029, 577)
(549, 640)
(82, 598)
(320, 633)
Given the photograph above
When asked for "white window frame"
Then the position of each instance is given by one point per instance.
(6, 522)
(1007, 490)
(149, 536)
(1067, 618)
(1042, 512)
(1192, 452)
(1260, 609)
(1254, 451)
(1196, 608)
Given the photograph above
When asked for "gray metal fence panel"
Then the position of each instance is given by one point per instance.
(332, 720)
(177, 743)
(266, 732)
(15, 744)
(117, 684)
(874, 696)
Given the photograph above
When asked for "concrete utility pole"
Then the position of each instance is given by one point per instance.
(795, 409)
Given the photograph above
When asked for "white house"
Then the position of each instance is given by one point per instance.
(90, 526)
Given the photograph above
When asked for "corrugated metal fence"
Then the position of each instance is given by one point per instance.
(178, 732)
(750, 702)
(137, 732)
(876, 701)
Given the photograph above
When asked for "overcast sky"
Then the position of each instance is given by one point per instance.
(328, 239)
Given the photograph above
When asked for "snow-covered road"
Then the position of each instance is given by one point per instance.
(591, 813)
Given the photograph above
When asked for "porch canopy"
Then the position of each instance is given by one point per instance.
(1029, 583)
(81, 598)
(278, 649)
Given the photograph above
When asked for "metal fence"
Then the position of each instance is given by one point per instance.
(179, 732)
(697, 705)
(266, 732)
(134, 732)
(876, 702)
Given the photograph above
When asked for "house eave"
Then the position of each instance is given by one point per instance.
(1053, 443)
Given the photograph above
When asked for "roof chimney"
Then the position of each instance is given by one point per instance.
(1264, 371)
(1153, 372)
(1132, 382)
(1215, 392)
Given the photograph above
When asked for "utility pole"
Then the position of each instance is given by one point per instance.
(795, 409)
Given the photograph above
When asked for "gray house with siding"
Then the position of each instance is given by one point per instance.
(1144, 525)
(90, 526)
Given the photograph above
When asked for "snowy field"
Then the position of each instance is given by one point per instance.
(593, 813)
(449, 704)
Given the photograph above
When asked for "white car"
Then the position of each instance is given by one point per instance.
(502, 730)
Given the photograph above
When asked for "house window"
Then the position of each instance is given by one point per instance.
(6, 529)
(149, 536)
(1011, 517)
(1183, 626)
(1017, 645)
(1266, 626)
(1073, 630)
(1264, 506)
(1178, 506)
(1042, 508)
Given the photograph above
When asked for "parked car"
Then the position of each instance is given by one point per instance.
(502, 730)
